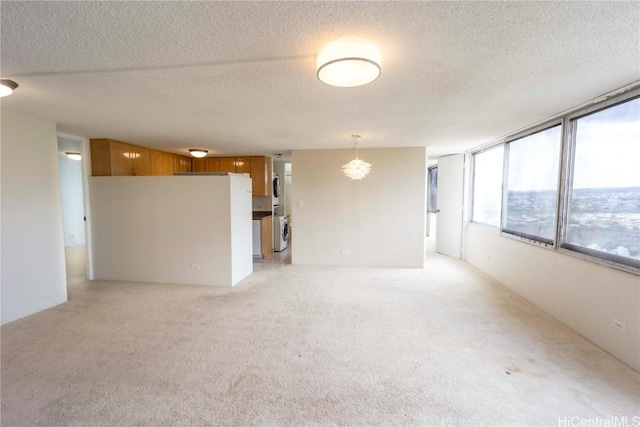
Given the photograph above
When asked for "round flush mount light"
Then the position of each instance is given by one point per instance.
(73, 155)
(198, 152)
(349, 64)
(7, 87)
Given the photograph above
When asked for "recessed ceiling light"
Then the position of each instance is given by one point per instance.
(7, 87)
(73, 156)
(349, 64)
(198, 152)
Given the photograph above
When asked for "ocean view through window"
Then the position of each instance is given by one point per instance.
(603, 202)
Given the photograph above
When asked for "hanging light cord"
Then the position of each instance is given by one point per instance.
(355, 141)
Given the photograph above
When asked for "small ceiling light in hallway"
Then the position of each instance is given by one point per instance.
(356, 168)
(7, 87)
(198, 152)
(73, 155)
(349, 64)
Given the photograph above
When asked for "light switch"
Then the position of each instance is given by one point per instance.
(300, 203)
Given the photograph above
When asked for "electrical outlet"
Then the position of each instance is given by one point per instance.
(619, 325)
(195, 266)
(345, 252)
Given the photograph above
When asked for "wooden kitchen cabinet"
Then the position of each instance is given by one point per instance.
(243, 165)
(261, 176)
(258, 167)
(120, 158)
(117, 158)
(198, 165)
(213, 164)
(113, 158)
(227, 164)
(180, 164)
(221, 164)
(266, 235)
(161, 163)
(140, 160)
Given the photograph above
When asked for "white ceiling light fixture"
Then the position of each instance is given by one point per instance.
(356, 168)
(7, 87)
(198, 153)
(73, 155)
(349, 64)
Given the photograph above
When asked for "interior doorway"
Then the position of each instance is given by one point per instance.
(73, 167)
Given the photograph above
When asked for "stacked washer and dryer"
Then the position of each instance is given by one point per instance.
(280, 222)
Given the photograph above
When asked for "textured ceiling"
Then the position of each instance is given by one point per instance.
(239, 77)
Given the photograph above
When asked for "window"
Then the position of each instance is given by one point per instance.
(432, 201)
(487, 186)
(530, 207)
(603, 200)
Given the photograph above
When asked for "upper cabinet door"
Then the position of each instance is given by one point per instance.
(100, 157)
(261, 176)
(185, 164)
(180, 164)
(243, 165)
(213, 164)
(121, 158)
(227, 164)
(140, 160)
(199, 165)
(160, 163)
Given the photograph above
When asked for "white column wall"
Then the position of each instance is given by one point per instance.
(33, 267)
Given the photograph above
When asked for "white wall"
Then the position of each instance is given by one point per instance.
(581, 294)
(380, 220)
(241, 228)
(71, 193)
(33, 267)
(154, 228)
(432, 219)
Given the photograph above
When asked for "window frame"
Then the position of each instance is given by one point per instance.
(473, 184)
(568, 163)
(514, 234)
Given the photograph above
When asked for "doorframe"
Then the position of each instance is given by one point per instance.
(85, 164)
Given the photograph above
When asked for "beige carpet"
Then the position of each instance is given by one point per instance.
(295, 345)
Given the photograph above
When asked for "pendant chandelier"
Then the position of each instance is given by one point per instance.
(356, 168)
